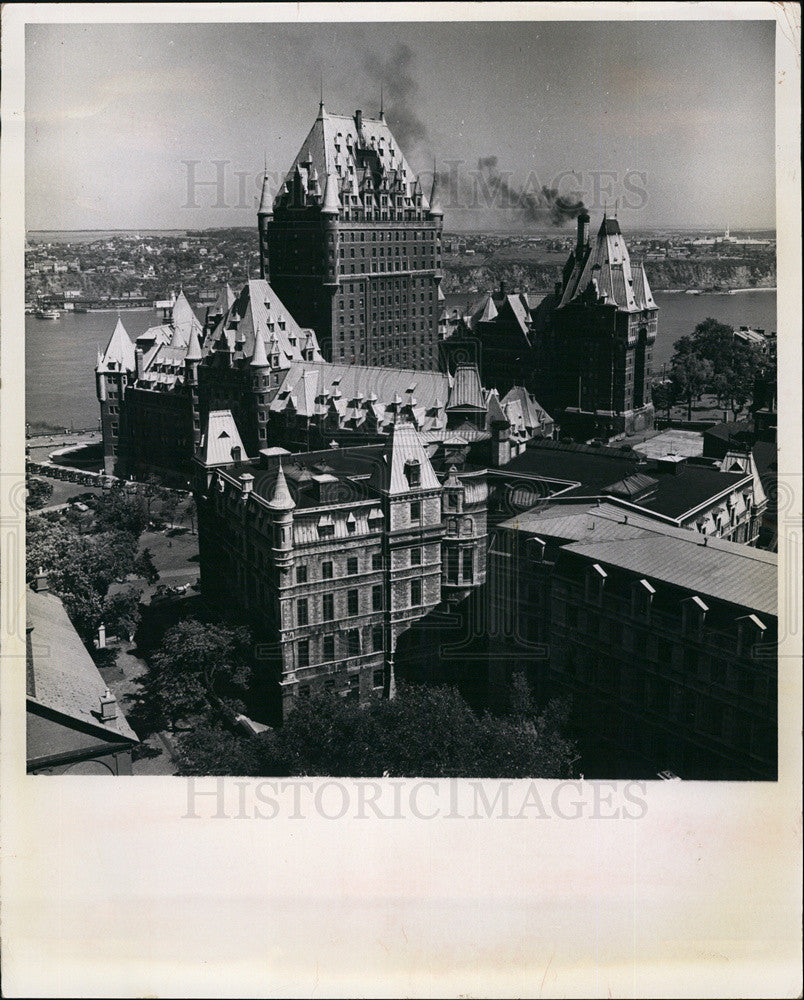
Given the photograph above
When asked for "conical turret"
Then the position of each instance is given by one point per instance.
(266, 205)
(332, 201)
(259, 358)
(281, 499)
(193, 348)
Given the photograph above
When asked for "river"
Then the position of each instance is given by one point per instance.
(61, 354)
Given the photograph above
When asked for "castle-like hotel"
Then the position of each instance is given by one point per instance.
(354, 468)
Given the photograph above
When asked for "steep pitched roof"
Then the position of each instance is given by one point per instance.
(311, 385)
(120, 352)
(220, 439)
(356, 157)
(404, 446)
(259, 309)
(605, 268)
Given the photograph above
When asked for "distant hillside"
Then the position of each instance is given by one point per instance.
(715, 275)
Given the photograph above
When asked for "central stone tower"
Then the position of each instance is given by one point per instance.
(353, 247)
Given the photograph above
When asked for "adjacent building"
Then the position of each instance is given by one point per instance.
(352, 245)
(252, 358)
(333, 555)
(716, 498)
(664, 640)
(585, 350)
(74, 724)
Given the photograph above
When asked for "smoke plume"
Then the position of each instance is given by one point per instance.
(540, 206)
(393, 74)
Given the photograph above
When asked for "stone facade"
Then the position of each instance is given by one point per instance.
(334, 555)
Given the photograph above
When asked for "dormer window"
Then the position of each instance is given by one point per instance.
(693, 614)
(595, 579)
(413, 472)
(642, 599)
(750, 632)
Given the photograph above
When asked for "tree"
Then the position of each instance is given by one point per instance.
(424, 731)
(733, 364)
(144, 566)
(195, 660)
(689, 372)
(121, 511)
(121, 612)
(190, 512)
(39, 491)
(168, 507)
(662, 395)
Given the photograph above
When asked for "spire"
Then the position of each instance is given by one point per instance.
(259, 359)
(435, 199)
(193, 348)
(332, 202)
(281, 500)
(321, 109)
(382, 102)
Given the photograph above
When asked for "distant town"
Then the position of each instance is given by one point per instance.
(118, 270)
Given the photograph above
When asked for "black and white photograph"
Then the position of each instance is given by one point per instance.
(400, 405)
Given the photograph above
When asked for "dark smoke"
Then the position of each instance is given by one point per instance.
(394, 74)
(539, 207)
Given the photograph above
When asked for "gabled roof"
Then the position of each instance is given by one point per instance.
(62, 676)
(336, 148)
(220, 438)
(404, 446)
(120, 352)
(604, 269)
(313, 384)
(259, 309)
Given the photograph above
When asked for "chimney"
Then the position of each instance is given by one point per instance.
(41, 584)
(359, 120)
(583, 232)
(139, 356)
(108, 707)
(502, 289)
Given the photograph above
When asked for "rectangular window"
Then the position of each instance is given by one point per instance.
(376, 598)
(415, 512)
(377, 638)
(352, 601)
(326, 570)
(351, 566)
(415, 593)
(301, 574)
(415, 557)
(304, 653)
(378, 678)
(452, 565)
(328, 648)
(353, 642)
(467, 565)
(376, 560)
(328, 607)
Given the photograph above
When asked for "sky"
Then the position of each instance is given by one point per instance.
(673, 121)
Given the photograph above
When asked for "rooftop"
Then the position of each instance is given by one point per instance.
(61, 674)
(723, 570)
(590, 470)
